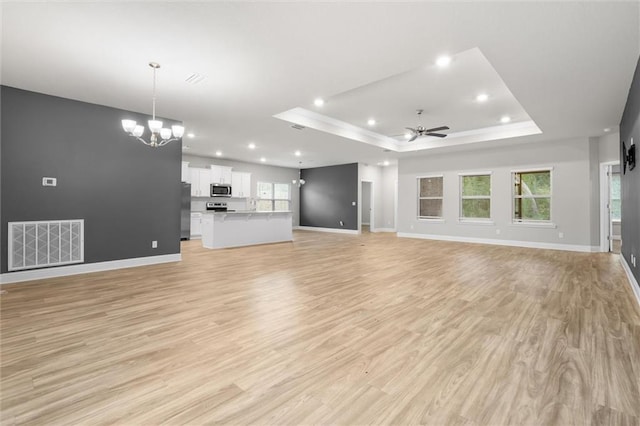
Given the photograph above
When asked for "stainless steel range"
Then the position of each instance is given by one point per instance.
(217, 206)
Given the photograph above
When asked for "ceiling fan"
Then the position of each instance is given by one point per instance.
(421, 131)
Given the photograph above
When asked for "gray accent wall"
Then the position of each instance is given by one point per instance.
(328, 195)
(630, 181)
(127, 193)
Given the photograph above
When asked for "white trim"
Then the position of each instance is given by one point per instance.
(465, 221)
(533, 169)
(528, 224)
(511, 243)
(334, 230)
(635, 287)
(605, 167)
(63, 271)
(384, 230)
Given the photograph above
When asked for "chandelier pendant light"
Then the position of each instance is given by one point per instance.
(299, 182)
(160, 136)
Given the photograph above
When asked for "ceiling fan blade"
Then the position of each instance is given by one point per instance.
(413, 130)
(437, 135)
(413, 138)
(437, 129)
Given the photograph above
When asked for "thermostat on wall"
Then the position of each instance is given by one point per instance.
(49, 181)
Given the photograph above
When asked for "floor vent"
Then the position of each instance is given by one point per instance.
(45, 243)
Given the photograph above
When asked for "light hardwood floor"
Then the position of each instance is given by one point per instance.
(330, 329)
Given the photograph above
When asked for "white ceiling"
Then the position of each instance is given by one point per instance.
(567, 66)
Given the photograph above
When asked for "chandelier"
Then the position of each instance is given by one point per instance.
(160, 136)
(299, 181)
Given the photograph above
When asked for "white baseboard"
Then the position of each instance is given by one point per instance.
(635, 287)
(367, 223)
(383, 230)
(335, 230)
(527, 244)
(63, 271)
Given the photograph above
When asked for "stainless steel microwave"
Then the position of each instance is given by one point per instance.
(220, 190)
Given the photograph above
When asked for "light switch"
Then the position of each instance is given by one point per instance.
(353, 203)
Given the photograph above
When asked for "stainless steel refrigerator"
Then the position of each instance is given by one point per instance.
(185, 212)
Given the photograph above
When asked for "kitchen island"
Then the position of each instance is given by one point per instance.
(245, 228)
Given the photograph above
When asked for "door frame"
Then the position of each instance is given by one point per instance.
(605, 217)
(371, 207)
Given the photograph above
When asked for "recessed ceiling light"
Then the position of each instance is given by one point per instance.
(385, 163)
(505, 119)
(263, 159)
(218, 153)
(407, 135)
(298, 153)
(252, 145)
(443, 61)
(191, 135)
(371, 122)
(482, 97)
(318, 102)
(607, 129)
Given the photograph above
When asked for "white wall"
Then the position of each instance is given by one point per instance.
(389, 189)
(259, 172)
(572, 182)
(609, 147)
(365, 204)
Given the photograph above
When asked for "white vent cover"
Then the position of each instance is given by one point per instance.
(45, 243)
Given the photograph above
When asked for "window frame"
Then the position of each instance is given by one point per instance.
(430, 218)
(273, 198)
(461, 197)
(532, 222)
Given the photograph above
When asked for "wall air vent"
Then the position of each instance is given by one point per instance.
(45, 243)
(194, 78)
(297, 127)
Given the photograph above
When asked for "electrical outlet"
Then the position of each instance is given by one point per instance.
(560, 234)
(341, 223)
(497, 232)
(49, 181)
(353, 203)
(411, 226)
(154, 244)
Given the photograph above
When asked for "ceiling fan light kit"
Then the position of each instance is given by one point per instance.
(160, 136)
(422, 131)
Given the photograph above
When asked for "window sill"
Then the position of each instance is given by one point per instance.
(476, 222)
(549, 225)
(425, 219)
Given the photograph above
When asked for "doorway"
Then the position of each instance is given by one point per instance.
(610, 208)
(366, 204)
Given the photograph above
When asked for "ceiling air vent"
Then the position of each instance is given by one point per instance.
(194, 78)
(297, 127)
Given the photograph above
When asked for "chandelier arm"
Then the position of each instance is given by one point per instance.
(166, 141)
(142, 140)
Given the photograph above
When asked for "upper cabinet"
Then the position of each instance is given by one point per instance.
(240, 185)
(221, 174)
(186, 174)
(200, 182)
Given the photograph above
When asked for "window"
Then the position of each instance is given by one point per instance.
(615, 203)
(475, 196)
(273, 197)
(532, 196)
(430, 197)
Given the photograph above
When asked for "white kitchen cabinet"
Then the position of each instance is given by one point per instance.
(240, 185)
(186, 174)
(221, 174)
(196, 225)
(200, 182)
